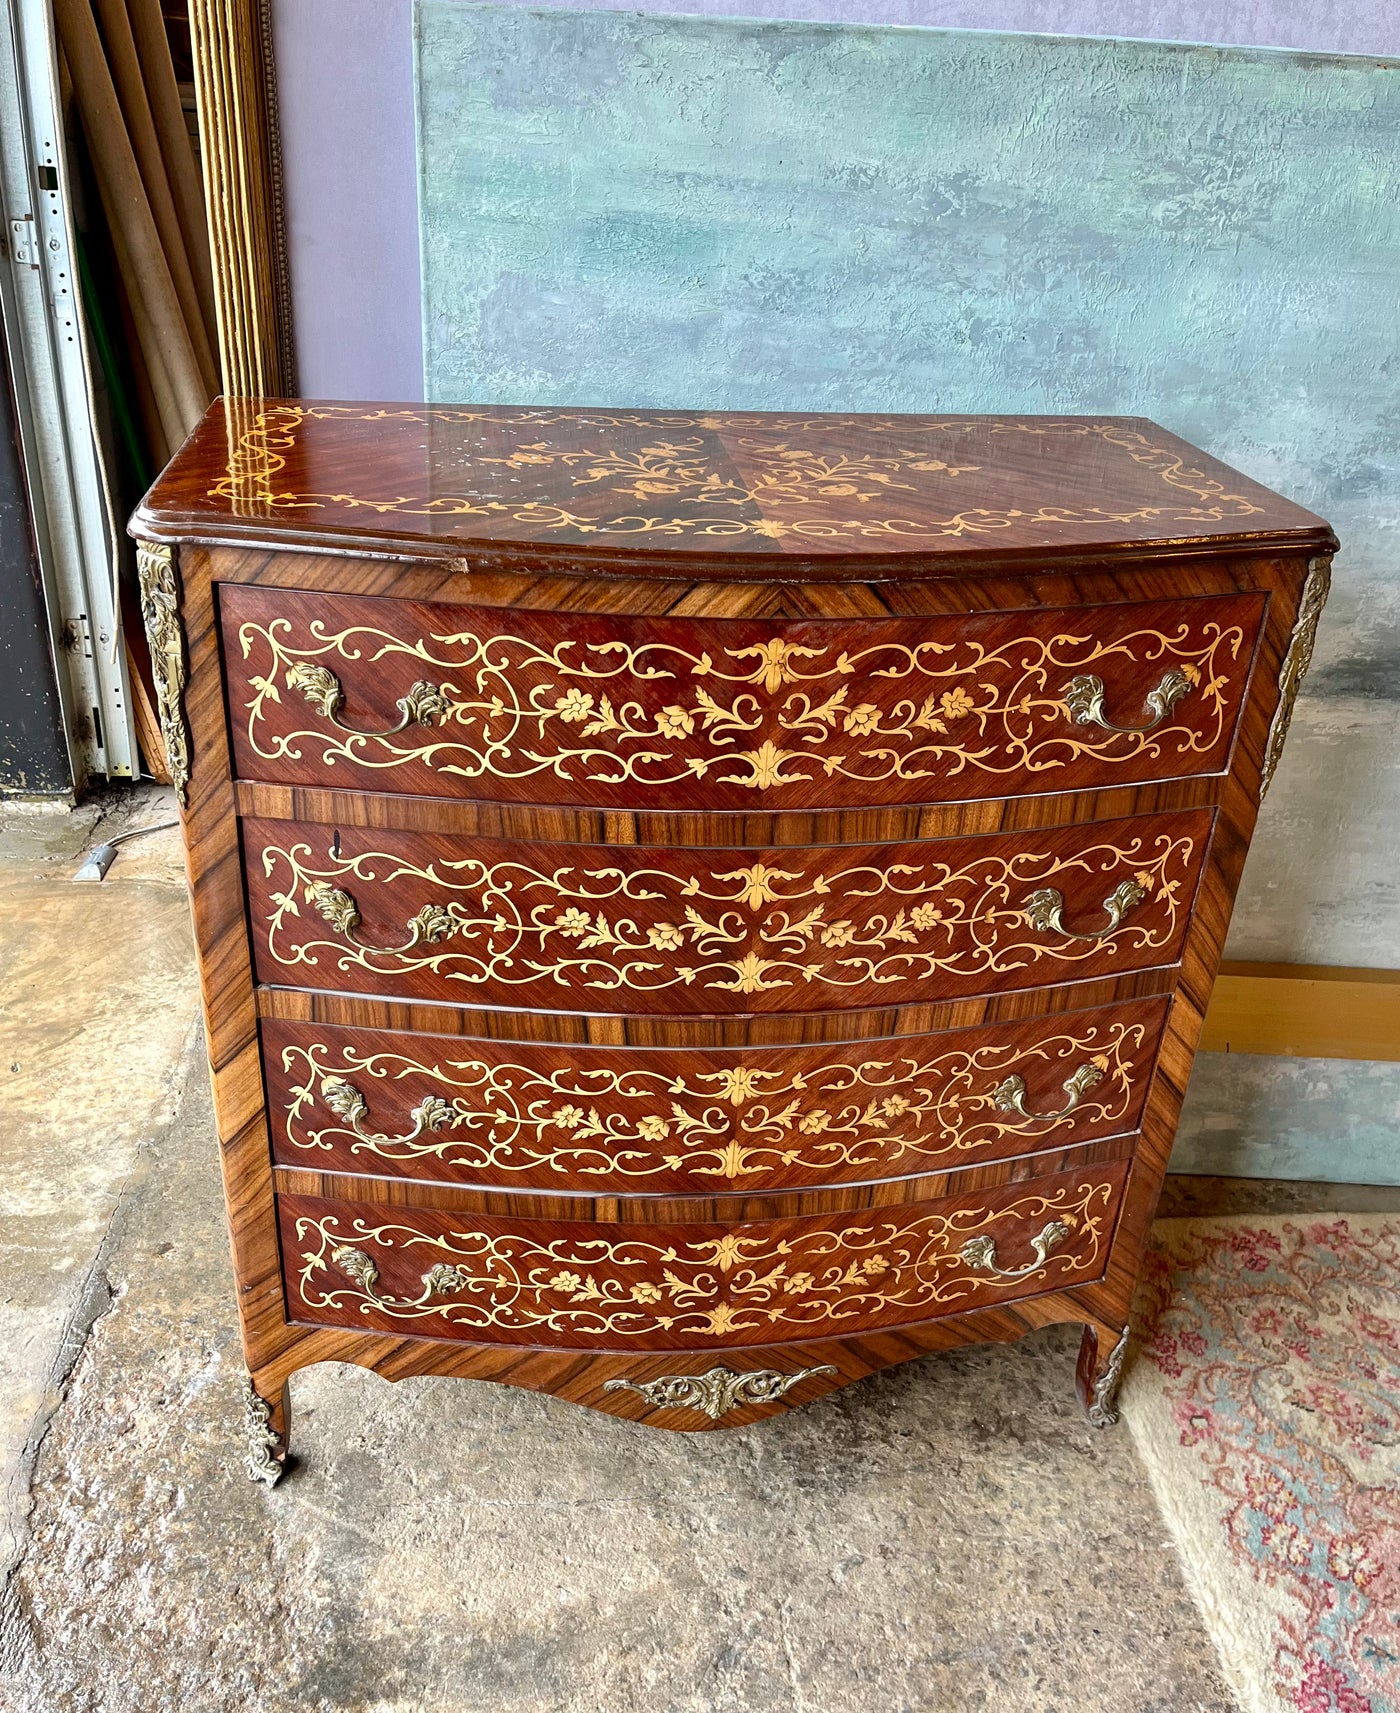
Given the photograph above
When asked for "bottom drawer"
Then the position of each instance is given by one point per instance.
(585, 1286)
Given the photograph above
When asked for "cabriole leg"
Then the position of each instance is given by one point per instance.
(1101, 1354)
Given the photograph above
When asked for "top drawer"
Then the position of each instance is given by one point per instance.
(663, 713)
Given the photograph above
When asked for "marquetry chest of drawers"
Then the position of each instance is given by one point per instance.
(696, 908)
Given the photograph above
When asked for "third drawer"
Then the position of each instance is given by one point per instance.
(609, 1120)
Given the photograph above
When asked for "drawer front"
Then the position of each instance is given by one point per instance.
(673, 1287)
(661, 1121)
(571, 708)
(574, 927)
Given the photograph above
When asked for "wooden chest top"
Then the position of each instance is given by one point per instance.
(746, 495)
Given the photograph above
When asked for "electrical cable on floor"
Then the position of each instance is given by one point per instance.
(100, 859)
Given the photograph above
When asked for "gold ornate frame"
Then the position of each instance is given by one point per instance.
(236, 94)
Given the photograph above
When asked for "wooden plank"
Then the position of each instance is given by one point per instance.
(1305, 1011)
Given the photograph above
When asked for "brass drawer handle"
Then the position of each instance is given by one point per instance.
(346, 1102)
(980, 1253)
(1083, 696)
(439, 1281)
(717, 1392)
(1045, 910)
(1010, 1096)
(433, 922)
(424, 705)
(356, 1265)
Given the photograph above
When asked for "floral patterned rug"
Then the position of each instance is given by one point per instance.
(1264, 1396)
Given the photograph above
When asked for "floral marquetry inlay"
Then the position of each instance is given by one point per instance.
(496, 918)
(504, 1114)
(698, 906)
(572, 707)
(464, 1275)
(718, 480)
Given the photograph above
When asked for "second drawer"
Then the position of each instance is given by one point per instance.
(695, 1121)
(649, 929)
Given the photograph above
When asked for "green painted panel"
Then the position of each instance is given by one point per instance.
(1251, 1116)
(629, 209)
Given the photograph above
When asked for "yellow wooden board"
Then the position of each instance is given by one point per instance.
(1304, 1011)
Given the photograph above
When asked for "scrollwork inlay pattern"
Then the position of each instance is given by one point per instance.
(770, 714)
(893, 1265)
(724, 926)
(728, 1123)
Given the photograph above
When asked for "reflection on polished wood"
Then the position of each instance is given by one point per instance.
(646, 486)
(696, 908)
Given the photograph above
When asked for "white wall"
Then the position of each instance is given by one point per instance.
(345, 94)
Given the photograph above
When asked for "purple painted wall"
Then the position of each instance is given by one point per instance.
(345, 81)
(345, 95)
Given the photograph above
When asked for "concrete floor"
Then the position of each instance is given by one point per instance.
(947, 1536)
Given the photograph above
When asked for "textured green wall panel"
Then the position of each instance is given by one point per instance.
(629, 209)
(1251, 1116)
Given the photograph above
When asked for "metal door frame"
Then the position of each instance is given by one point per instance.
(75, 525)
